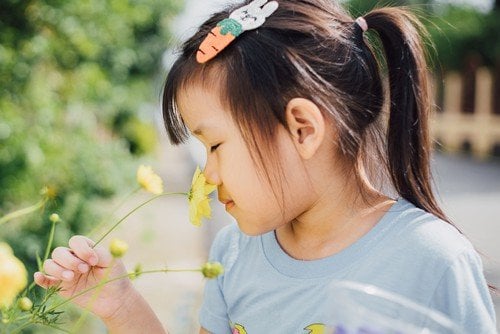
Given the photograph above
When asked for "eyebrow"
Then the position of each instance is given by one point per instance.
(204, 128)
(199, 130)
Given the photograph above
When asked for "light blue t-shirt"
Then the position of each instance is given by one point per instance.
(409, 252)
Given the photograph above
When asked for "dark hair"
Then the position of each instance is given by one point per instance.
(314, 49)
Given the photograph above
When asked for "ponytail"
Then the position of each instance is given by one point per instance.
(408, 139)
(408, 142)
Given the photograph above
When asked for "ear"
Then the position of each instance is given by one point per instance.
(306, 124)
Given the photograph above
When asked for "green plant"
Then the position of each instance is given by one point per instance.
(67, 68)
(21, 310)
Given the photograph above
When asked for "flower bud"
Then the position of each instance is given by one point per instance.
(54, 218)
(212, 269)
(137, 271)
(25, 304)
(118, 248)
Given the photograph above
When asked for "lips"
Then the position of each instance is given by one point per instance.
(227, 202)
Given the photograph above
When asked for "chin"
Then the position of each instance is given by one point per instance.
(251, 229)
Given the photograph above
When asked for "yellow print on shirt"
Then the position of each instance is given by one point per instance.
(313, 329)
(239, 329)
(316, 329)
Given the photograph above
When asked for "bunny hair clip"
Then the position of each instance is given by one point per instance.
(244, 18)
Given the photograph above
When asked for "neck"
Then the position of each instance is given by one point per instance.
(325, 229)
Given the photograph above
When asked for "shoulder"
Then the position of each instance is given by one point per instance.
(228, 236)
(422, 233)
(228, 245)
(438, 264)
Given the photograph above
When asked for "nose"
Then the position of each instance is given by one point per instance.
(211, 172)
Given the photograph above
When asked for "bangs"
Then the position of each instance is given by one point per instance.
(186, 73)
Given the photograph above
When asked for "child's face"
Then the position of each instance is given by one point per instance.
(247, 197)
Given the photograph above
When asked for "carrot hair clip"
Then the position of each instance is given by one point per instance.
(244, 18)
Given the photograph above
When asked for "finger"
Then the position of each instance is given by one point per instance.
(45, 281)
(66, 258)
(82, 248)
(104, 256)
(57, 271)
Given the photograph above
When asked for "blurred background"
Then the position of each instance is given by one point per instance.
(79, 111)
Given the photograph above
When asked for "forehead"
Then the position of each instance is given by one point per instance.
(200, 106)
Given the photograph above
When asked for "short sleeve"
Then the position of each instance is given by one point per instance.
(213, 313)
(462, 294)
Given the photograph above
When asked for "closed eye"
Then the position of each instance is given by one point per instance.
(213, 148)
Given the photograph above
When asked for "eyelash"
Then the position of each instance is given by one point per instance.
(213, 148)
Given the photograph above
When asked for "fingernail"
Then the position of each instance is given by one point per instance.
(67, 275)
(93, 260)
(83, 268)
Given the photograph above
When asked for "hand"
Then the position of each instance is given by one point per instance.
(81, 267)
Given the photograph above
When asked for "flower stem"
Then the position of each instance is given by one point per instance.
(83, 316)
(128, 275)
(22, 212)
(26, 324)
(131, 212)
(58, 328)
(51, 240)
(122, 201)
(20, 328)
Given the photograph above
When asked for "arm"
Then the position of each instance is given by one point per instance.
(135, 316)
(462, 294)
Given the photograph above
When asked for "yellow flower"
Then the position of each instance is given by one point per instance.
(118, 248)
(199, 203)
(13, 276)
(212, 269)
(149, 180)
(49, 192)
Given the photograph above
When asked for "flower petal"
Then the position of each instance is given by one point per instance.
(199, 203)
(13, 276)
(149, 180)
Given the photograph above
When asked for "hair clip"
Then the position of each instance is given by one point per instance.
(242, 19)
(362, 23)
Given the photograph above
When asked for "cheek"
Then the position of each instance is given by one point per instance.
(257, 210)
(240, 177)
(297, 192)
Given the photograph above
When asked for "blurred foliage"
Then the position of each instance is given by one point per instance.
(361, 7)
(463, 32)
(138, 134)
(458, 32)
(68, 70)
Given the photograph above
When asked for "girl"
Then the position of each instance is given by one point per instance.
(293, 115)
